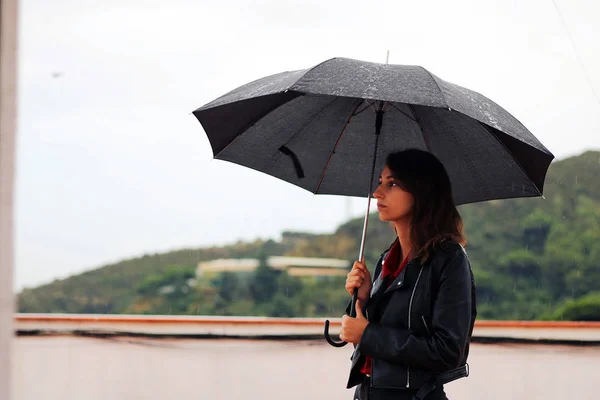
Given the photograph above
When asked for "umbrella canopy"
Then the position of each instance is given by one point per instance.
(315, 128)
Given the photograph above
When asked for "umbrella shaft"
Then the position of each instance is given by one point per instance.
(364, 233)
(378, 124)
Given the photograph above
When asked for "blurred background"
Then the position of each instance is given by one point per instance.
(118, 200)
(121, 210)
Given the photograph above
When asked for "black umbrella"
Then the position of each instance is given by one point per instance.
(328, 129)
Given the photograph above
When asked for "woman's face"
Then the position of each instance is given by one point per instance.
(393, 203)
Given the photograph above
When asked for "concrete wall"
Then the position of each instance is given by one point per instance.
(8, 83)
(186, 325)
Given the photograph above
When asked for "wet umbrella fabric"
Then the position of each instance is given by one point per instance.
(315, 128)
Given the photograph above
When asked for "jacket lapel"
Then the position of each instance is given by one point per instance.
(378, 290)
(379, 287)
(399, 281)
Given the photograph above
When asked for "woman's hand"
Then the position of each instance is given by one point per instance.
(359, 277)
(353, 328)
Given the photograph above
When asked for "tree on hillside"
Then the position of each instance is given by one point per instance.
(228, 287)
(289, 286)
(263, 283)
(536, 228)
(174, 279)
(586, 308)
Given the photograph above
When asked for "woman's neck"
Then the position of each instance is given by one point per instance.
(403, 232)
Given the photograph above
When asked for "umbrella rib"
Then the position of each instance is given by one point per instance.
(420, 126)
(287, 151)
(402, 112)
(367, 106)
(438, 86)
(352, 114)
(512, 156)
(371, 105)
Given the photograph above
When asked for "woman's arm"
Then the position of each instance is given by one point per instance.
(450, 327)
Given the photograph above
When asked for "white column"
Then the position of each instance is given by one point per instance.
(8, 85)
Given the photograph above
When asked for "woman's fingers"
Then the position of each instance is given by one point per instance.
(360, 266)
(357, 277)
(352, 285)
(354, 282)
(356, 273)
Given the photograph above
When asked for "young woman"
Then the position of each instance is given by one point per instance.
(415, 318)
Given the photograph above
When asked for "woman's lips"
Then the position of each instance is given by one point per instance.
(380, 207)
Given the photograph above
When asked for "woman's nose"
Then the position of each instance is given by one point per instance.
(376, 193)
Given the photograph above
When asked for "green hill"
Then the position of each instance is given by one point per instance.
(532, 258)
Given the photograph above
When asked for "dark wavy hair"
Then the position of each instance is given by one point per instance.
(435, 217)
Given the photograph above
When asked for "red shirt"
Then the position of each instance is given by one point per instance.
(390, 268)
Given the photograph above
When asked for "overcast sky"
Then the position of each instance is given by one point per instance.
(111, 164)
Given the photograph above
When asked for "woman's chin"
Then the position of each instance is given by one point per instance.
(383, 217)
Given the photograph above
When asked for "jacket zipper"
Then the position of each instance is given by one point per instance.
(409, 312)
(425, 324)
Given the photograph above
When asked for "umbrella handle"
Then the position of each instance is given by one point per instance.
(352, 314)
(330, 340)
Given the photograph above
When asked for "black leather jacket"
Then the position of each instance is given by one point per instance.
(422, 324)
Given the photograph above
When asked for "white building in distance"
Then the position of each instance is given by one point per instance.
(294, 266)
